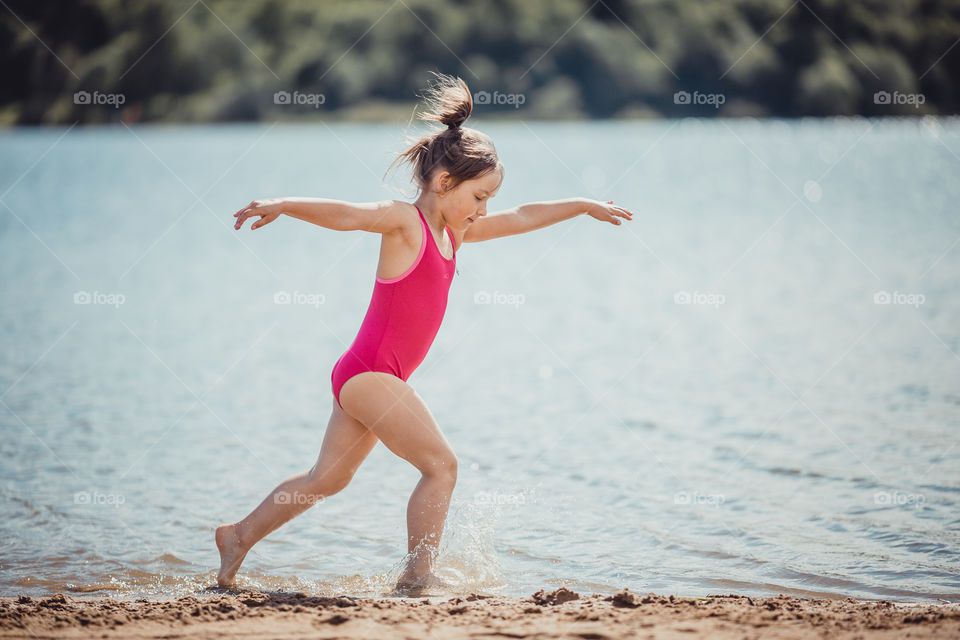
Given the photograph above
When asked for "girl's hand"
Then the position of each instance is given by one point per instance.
(268, 210)
(607, 212)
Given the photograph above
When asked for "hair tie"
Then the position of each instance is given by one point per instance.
(453, 126)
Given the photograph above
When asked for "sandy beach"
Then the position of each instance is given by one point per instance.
(560, 613)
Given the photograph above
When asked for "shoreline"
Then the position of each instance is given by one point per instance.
(558, 613)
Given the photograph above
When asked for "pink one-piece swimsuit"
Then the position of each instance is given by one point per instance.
(403, 318)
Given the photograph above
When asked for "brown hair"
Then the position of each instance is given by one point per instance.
(463, 152)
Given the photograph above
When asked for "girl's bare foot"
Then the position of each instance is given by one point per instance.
(232, 554)
(416, 586)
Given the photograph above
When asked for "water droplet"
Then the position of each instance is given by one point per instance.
(812, 191)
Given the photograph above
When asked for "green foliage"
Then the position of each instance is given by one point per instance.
(828, 87)
(181, 60)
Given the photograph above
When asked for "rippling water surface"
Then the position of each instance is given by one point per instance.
(753, 387)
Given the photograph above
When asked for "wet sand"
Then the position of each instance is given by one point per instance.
(560, 613)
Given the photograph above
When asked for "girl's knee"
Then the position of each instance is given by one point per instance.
(442, 468)
(327, 482)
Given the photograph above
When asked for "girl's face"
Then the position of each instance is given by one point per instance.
(467, 202)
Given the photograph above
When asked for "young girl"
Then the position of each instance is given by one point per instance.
(458, 171)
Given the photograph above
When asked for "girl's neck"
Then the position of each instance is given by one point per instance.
(429, 204)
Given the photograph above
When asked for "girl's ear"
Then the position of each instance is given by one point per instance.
(443, 183)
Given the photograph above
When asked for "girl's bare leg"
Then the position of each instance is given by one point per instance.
(393, 411)
(345, 445)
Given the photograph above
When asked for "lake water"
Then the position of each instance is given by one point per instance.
(752, 387)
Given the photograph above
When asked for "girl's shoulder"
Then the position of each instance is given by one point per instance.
(457, 237)
(386, 217)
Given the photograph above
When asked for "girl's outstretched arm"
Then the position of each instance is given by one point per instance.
(536, 215)
(376, 217)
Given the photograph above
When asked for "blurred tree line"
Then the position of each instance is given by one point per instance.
(229, 60)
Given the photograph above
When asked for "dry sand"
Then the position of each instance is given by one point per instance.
(555, 614)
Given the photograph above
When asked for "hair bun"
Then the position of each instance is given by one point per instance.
(450, 101)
